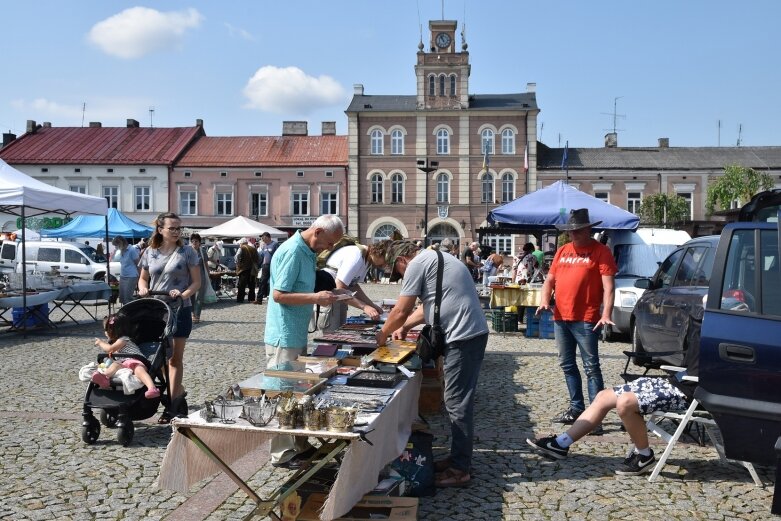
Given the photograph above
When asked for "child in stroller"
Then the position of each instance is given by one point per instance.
(117, 328)
(150, 324)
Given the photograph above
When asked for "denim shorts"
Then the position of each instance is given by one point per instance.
(654, 393)
(184, 322)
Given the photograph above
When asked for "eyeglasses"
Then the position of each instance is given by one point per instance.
(172, 229)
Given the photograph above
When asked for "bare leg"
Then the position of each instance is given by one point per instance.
(605, 401)
(112, 369)
(629, 410)
(176, 367)
(142, 374)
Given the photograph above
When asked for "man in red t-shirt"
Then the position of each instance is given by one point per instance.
(582, 276)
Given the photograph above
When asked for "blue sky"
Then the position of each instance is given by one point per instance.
(245, 66)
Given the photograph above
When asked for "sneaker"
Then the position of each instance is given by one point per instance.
(568, 417)
(548, 447)
(154, 392)
(636, 464)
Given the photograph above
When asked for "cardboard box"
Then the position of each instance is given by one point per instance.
(370, 507)
(431, 396)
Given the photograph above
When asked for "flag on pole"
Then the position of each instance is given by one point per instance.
(486, 161)
(565, 156)
(526, 158)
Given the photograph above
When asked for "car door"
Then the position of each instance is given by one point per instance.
(740, 354)
(48, 257)
(683, 298)
(77, 265)
(7, 257)
(650, 316)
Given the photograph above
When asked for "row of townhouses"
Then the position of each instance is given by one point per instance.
(430, 164)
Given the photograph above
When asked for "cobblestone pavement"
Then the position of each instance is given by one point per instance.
(49, 473)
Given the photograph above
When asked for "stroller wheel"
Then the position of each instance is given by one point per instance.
(108, 418)
(90, 431)
(125, 434)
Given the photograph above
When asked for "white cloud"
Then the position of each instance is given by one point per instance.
(241, 33)
(140, 30)
(291, 90)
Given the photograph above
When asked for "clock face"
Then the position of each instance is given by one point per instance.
(443, 40)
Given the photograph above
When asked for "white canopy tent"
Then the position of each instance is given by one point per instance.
(24, 196)
(242, 227)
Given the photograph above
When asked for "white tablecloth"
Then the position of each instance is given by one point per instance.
(185, 464)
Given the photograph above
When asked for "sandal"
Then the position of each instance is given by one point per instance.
(165, 418)
(441, 465)
(452, 478)
(196, 320)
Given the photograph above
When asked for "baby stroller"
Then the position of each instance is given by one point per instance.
(155, 323)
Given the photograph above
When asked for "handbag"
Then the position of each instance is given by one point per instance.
(431, 341)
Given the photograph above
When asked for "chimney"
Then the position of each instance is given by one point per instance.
(611, 140)
(198, 122)
(294, 128)
(664, 142)
(358, 89)
(329, 128)
(47, 124)
(95, 124)
(132, 123)
(31, 128)
(531, 87)
(7, 138)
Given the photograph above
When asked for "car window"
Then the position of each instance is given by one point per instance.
(666, 272)
(770, 274)
(738, 285)
(686, 271)
(49, 255)
(640, 260)
(73, 257)
(8, 252)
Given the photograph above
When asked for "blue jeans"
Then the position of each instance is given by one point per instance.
(462, 367)
(570, 335)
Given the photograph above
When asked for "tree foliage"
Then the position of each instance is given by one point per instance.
(664, 209)
(738, 183)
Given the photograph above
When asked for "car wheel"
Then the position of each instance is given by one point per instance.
(640, 358)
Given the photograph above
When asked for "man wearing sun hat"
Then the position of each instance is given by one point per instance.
(581, 275)
(466, 336)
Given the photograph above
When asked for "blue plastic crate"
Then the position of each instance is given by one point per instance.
(532, 329)
(546, 317)
(531, 315)
(546, 330)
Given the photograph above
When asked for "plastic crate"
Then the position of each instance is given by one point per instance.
(546, 330)
(532, 329)
(504, 322)
(34, 317)
(531, 315)
(546, 317)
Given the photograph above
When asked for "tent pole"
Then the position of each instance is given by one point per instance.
(24, 272)
(108, 265)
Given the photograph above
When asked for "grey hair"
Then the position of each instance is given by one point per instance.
(330, 223)
(473, 244)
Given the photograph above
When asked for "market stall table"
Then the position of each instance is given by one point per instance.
(502, 297)
(34, 300)
(215, 446)
(81, 295)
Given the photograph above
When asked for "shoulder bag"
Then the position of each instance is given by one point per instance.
(431, 341)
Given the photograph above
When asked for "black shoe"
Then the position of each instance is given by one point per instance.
(568, 417)
(548, 447)
(636, 464)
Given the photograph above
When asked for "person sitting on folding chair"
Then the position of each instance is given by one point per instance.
(631, 400)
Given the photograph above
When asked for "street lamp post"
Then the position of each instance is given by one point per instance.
(426, 166)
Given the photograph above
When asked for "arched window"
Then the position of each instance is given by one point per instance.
(508, 187)
(397, 188)
(487, 141)
(376, 184)
(452, 85)
(487, 188)
(384, 232)
(397, 142)
(443, 188)
(443, 141)
(442, 85)
(376, 140)
(508, 141)
(431, 86)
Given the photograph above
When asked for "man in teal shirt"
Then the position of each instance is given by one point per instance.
(290, 308)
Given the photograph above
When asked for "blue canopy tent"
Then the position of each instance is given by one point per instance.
(549, 206)
(95, 226)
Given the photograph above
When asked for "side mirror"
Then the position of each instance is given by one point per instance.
(643, 283)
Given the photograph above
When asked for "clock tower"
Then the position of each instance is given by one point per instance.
(442, 73)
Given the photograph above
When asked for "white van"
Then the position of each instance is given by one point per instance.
(637, 254)
(73, 260)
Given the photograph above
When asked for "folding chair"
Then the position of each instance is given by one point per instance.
(691, 416)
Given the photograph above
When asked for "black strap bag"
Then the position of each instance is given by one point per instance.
(431, 341)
